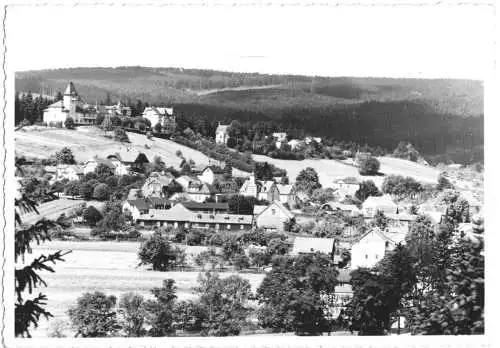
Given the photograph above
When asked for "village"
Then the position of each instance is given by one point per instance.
(242, 219)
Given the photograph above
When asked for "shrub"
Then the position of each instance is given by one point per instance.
(94, 315)
(101, 192)
(158, 252)
(69, 123)
(92, 215)
(369, 166)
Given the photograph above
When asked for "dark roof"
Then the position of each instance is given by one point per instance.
(205, 206)
(148, 203)
(70, 90)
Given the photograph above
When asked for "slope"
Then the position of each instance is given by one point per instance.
(86, 142)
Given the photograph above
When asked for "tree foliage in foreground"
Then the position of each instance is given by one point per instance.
(291, 293)
(160, 254)
(28, 311)
(94, 315)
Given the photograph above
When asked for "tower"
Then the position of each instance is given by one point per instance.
(70, 98)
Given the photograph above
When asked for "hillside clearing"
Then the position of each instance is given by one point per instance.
(329, 170)
(86, 142)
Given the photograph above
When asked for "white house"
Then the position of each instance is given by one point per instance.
(268, 191)
(69, 172)
(295, 143)
(349, 185)
(186, 180)
(272, 217)
(348, 209)
(200, 192)
(249, 187)
(383, 203)
(370, 248)
(287, 195)
(164, 116)
(221, 134)
(210, 173)
(309, 140)
(92, 164)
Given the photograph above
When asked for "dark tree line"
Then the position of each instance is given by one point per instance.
(29, 108)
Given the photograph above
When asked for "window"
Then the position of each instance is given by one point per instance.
(366, 256)
(273, 211)
(376, 257)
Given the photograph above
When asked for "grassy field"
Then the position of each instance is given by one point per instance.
(86, 142)
(328, 170)
(53, 209)
(110, 267)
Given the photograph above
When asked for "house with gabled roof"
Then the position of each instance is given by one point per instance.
(371, 247)
(268, 191)
(186, 180)
(70, 172)
(384, 203)
(350, 185)
(222, 134)
(141, 206)
(287, 194)
(156, 184)
(249, 187)
(211, 173)
(91, 164)
(272, 217)
(164, 116)
(131, 160)
(200, 192)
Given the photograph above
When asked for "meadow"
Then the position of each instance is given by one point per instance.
(110, 267)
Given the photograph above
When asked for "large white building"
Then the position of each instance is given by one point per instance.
(70, 106)
(164, 116)
(221, 134)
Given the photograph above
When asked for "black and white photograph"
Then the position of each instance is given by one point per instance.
(271, 173)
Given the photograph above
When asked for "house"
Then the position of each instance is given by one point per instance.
(186, 180)
(342, 193)
(272, 217)
(309, 140)
(306, 245)
(287, 194)
(268, 191)
(69, 107)
(400, 222)
(180, 216)
(141, 206)
(156, 184)
(295, 143)
(92, 164)
(157, 115)
(118, 110)
(383, 203)
(134, 194)
(211, 173)
(132, 161)
(221, 134)
(435, 212)
(350, 185)
(348, 209)
(68, 172)
(370, 248)
(120, 167)
(249, 187)
(200, 192)
(279, 138)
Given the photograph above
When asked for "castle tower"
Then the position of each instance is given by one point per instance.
(70, 98)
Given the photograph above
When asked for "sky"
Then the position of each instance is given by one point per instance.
(387, 41)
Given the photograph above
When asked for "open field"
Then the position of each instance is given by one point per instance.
(86, 142)
(110, 267)
(328, 170)
(53, 209)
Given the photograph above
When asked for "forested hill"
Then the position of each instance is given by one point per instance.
(438, 116)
